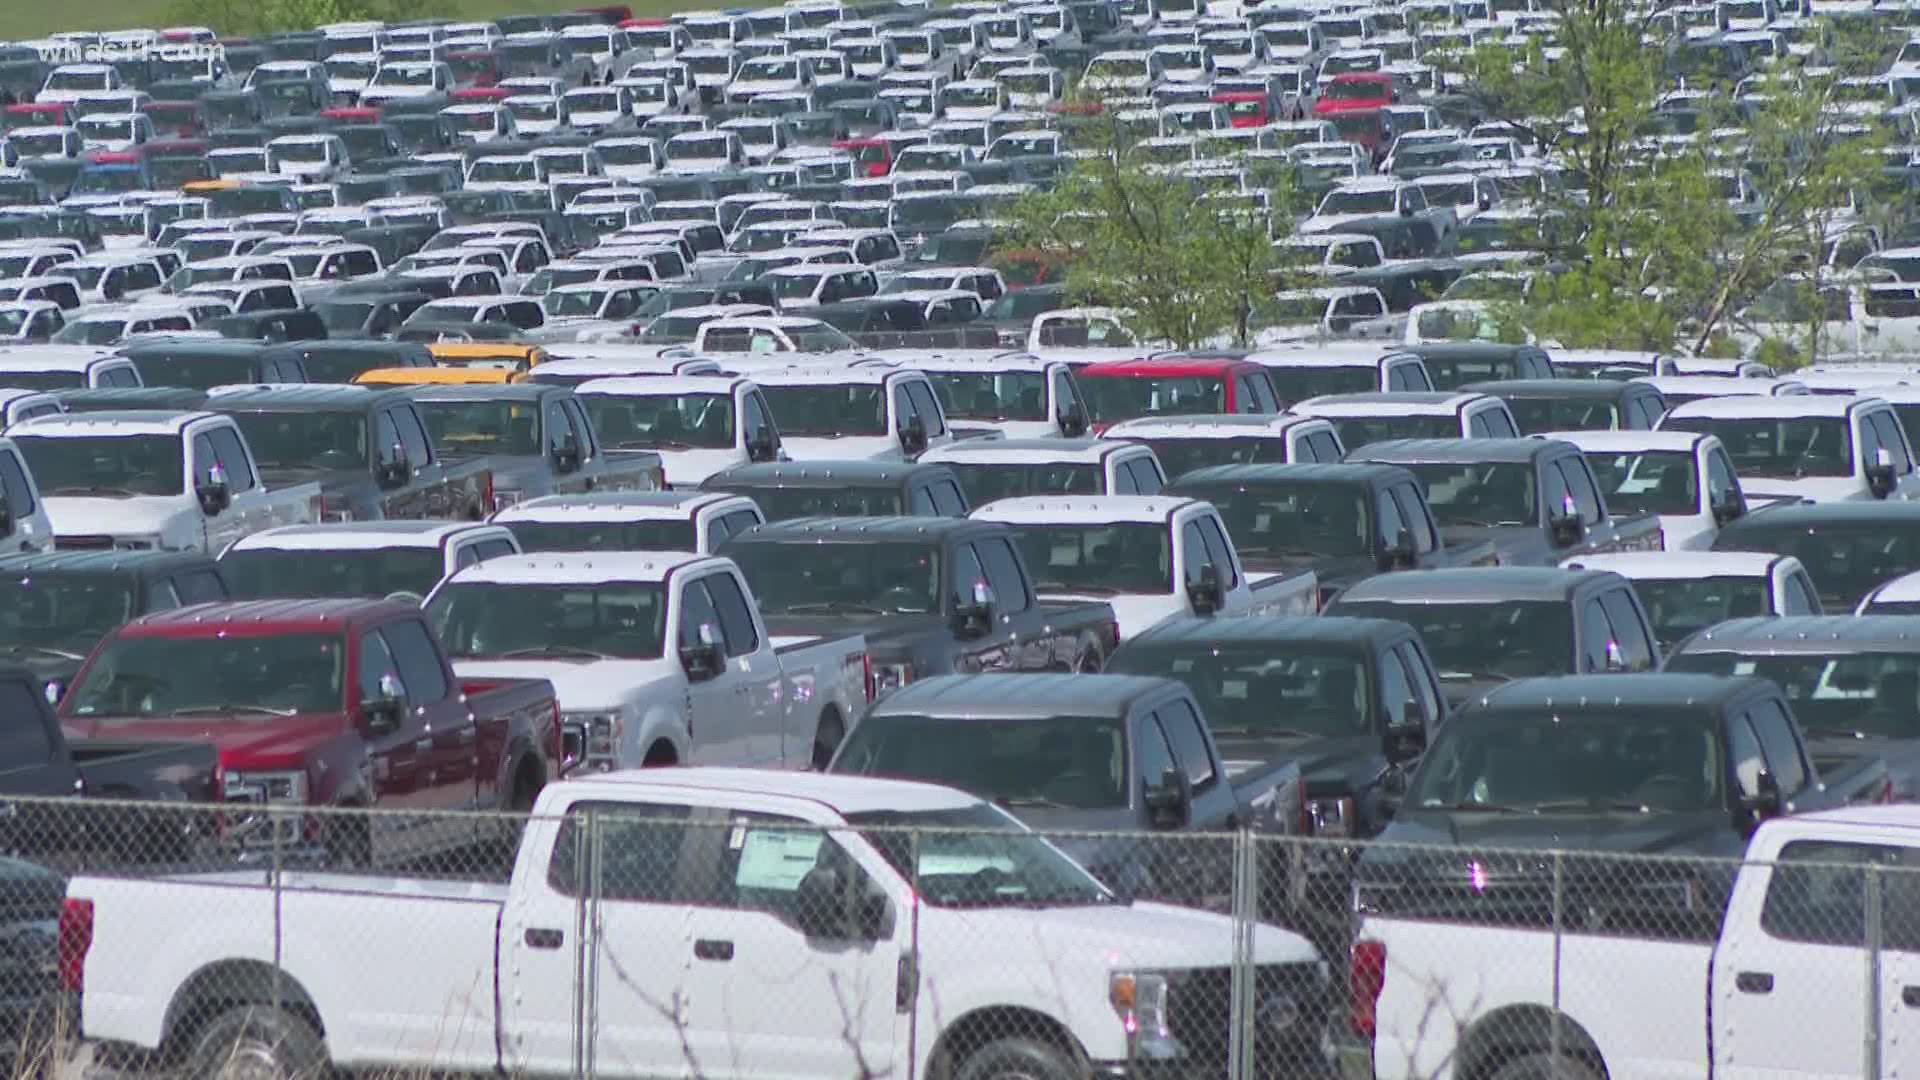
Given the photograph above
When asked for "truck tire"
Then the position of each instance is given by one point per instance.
(1018, 1059)
(1545, 1066)
(347, 839)
(257, 1042)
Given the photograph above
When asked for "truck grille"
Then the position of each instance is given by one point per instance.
(1289, 1014)
(249, 825)
(82, 543)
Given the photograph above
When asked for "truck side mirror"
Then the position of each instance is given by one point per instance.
(1566, 526)
(1402, 743)
(975, 614)
(1205, 594)
(394, 469)
(213, 493)
(566, 456)
(1766, 802)
(913, 437)
(822, 908)
(1401, 552)
(1169, 803)
(702, 660)
(382, 713)
(1073, 420)
(6, 518)
(760, 447)
(1880, 479)
(1616, 657)
(1728, 509)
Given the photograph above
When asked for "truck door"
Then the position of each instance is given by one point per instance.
(719, 721)
(456, 777)
(768, 994)
(30, 765)
(991, 651)
(760, 699)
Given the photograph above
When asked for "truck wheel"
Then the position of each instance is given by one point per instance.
(1544, 1066)
(348, 840)
(827, 738)
(1018, 1059)
(257, 1042)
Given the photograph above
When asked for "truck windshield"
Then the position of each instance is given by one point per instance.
(1852, 559)
(1498, 639)
(1301, 383)
(986, 481)
(1562, 414)
(1679, 606)
(61, 614)
(787, 503)
(1653, 482)
(1002, 395)
(306, 440)
(1179, 456)
(1098, 560)
(1292, 520)
(1783, 449)
(619, 619)
(1048, 761)
(1573, 761)
(1479, 493)
(483, 427)
(828, 411)
(664, 421)
(1269, 689)
(1116, 398)
(977, 857)
(604, 535)
(109, 465)
(1356, 431)
(878, 578)
(1847, 695)
(260, 573)
(242, 677)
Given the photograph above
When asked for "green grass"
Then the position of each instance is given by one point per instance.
(28, 19)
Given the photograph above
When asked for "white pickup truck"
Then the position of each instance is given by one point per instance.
(178, 481)
(658, 658)
(631, 521)
(698, 424)
(741, 925)
(1151, 556)
(1685, 477)
(1812, 447)
(1782, 986)
(24, 525)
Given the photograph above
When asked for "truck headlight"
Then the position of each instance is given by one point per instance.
(592, 737)
(1139, 999)
(504, 499)
(277, 787)
(890, 677)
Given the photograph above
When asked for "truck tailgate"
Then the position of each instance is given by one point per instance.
(151, 936)
(1441, 977)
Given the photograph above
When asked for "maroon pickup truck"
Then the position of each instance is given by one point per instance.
(335, 703)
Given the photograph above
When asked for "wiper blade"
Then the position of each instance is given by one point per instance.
(1484, 808)
(84, 490)
(573, 651)
(196, 710)
(46, 649)
(1591, 804)
(1031, 800)
(829, 606)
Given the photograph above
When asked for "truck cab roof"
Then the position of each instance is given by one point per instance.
(127, 422)
(1025, 696)
(1336, 630)
(1759, 406)
(824, 474)
(137, 564)
(1050, 509)
(267, 617)
(1650, 690)
(1028, 451)
(1809, 634)
(329, 397)
(516, 392)
(1395, 402)
(838, 793)
(619, 506)
(1408, 451)
(1367, 473)
(1661, 565)
(1478, 584)
(931, 530)
(361, 535)
(1629, 442)
(579, 567)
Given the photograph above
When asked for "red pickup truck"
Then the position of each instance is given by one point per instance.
(1174, 385)
(331, 703)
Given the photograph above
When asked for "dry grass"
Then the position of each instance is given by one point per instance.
(23, 19)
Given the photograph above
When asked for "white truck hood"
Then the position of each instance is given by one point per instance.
(630, 172)
(844, 448)
(90, 515)
(579, 684)
(1140, 935)
(1134, 612)
(690, 468)
(1763, 490)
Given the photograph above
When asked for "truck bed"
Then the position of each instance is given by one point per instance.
(153, 933)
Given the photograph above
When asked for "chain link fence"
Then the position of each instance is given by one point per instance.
(701, 938)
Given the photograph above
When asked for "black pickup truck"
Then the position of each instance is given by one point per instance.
(56, 606)
(39, 762)
(1343, 522)
(792, 489)
(1484, 626)
(1598, 766)
(368, 450)
(1537, 500)
(1854, 682)
(1110, 755)
(933, 595)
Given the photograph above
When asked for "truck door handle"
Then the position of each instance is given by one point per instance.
(538, 938)
(1754, 982)
(1910, 996)
(710, 949)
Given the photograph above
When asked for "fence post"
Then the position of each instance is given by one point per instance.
(1241, 1011)
(1559, 907)
(912, 959)
(586, 889)
(1871, 1028)
(275, 882)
